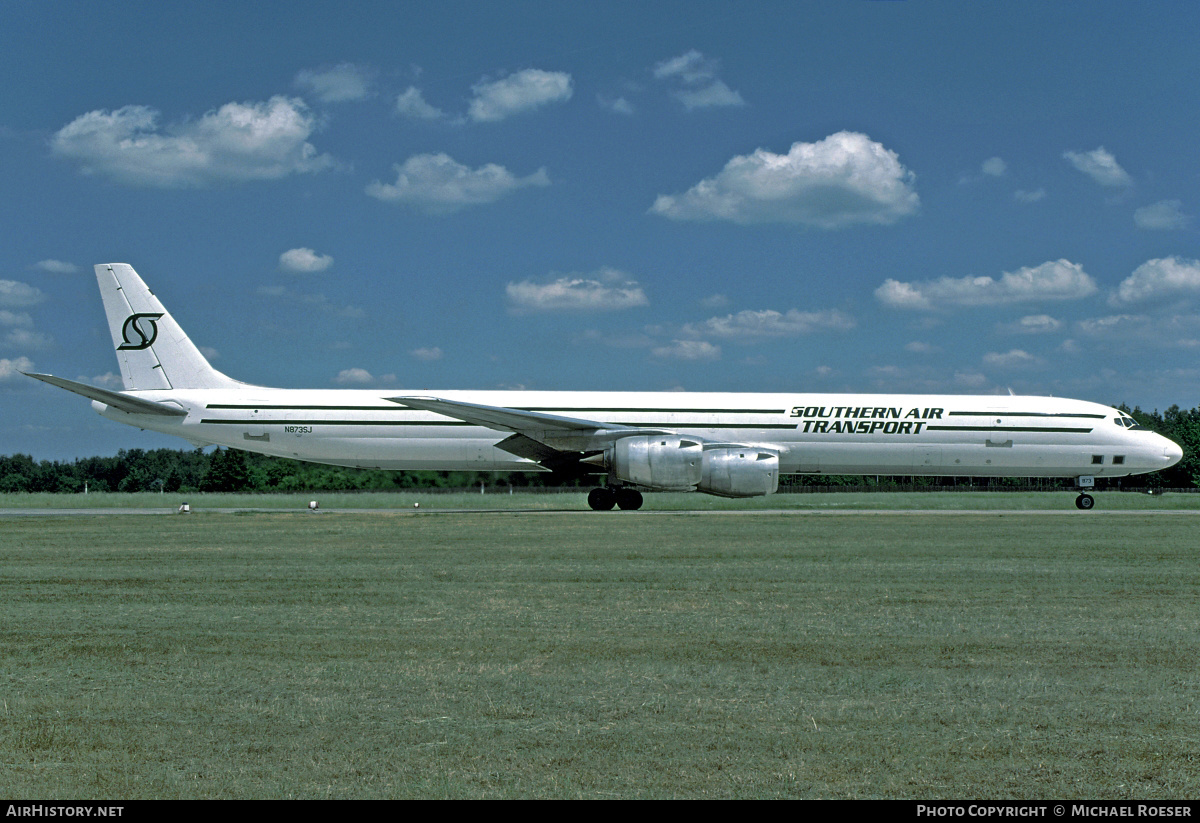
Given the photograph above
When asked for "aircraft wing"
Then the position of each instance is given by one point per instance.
(545, 438)
(124, 402)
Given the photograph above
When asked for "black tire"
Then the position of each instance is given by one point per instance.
(629, 499)
(1084, 502)
(602, 499)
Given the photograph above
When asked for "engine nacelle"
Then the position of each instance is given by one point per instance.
(663, 462)
(739, 471)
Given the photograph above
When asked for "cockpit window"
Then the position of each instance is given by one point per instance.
(1126, 422)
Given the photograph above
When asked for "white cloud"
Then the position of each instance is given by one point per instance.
(920, 347)
(13, 368)
(412, 104)
(1023, 196)
(1101, 166)
(1165, 214)
(615, 104)
(1033, 324)
(338, 84)
(842, 180)
(696, 83)
(1054, 280)
(56, 266)
(750, 325)
(21, 338)
(691, 67)
(687, 350)
(971, 380)
(714, 94)
(606, 290)
(1015, 358)
(16, 295)
(1113, 324)
(520, 92)
(304, 260)
(994, 167)
(17, 319)
(1158, 278)
(238, 142)
(316, 301)
(437, 184)
(354, 377)
(427, 354)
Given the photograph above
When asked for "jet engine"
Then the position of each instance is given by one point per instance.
(666, 463)
(739, 471)
(671, 463)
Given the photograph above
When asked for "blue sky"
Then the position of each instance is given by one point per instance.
(830, 196)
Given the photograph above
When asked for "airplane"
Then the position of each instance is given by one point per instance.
(724, 444)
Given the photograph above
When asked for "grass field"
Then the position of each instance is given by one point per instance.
(611, 655)
(577, 501)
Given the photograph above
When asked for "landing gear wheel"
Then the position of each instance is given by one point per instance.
(602, 499)
(1084, 501)
(629, 499)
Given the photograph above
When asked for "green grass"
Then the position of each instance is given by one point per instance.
(281, 654)
(498, 499)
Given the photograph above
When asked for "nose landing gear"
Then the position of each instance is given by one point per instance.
(1085, 501)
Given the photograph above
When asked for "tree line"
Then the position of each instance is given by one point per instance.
(232, 470)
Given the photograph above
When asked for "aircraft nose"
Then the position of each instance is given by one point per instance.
(1172, 452)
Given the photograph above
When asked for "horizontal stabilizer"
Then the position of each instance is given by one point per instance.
(123, 402)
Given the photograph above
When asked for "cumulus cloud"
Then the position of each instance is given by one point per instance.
(17, 295)
(695, 81)
(520, 92)
(752, 325)
(615, 104)
(412, 104)
(1122, 324)
(1054, 280)
(1033, 324)
(437, 184)
(339, 84)
(238, 142)
(1163, 277)
(354, 377)
(1101, 166)
(1025, 196)
(56, 266)
(994, 167)
(16, 319)
(1015, 358)
(304, 260)
(687, 350)
(13, 368)
(843, 180)
(606, 290)
(1165, 214)
(427, 354)
(21, 334)
(312, 301)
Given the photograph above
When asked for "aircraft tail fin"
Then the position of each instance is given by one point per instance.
(152, 349)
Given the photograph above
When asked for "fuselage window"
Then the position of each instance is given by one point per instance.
(1118, 459)
(1097, 459)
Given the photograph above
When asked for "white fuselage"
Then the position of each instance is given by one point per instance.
(979, 435)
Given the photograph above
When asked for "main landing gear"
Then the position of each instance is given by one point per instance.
(1084, 501)
(605, 497)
